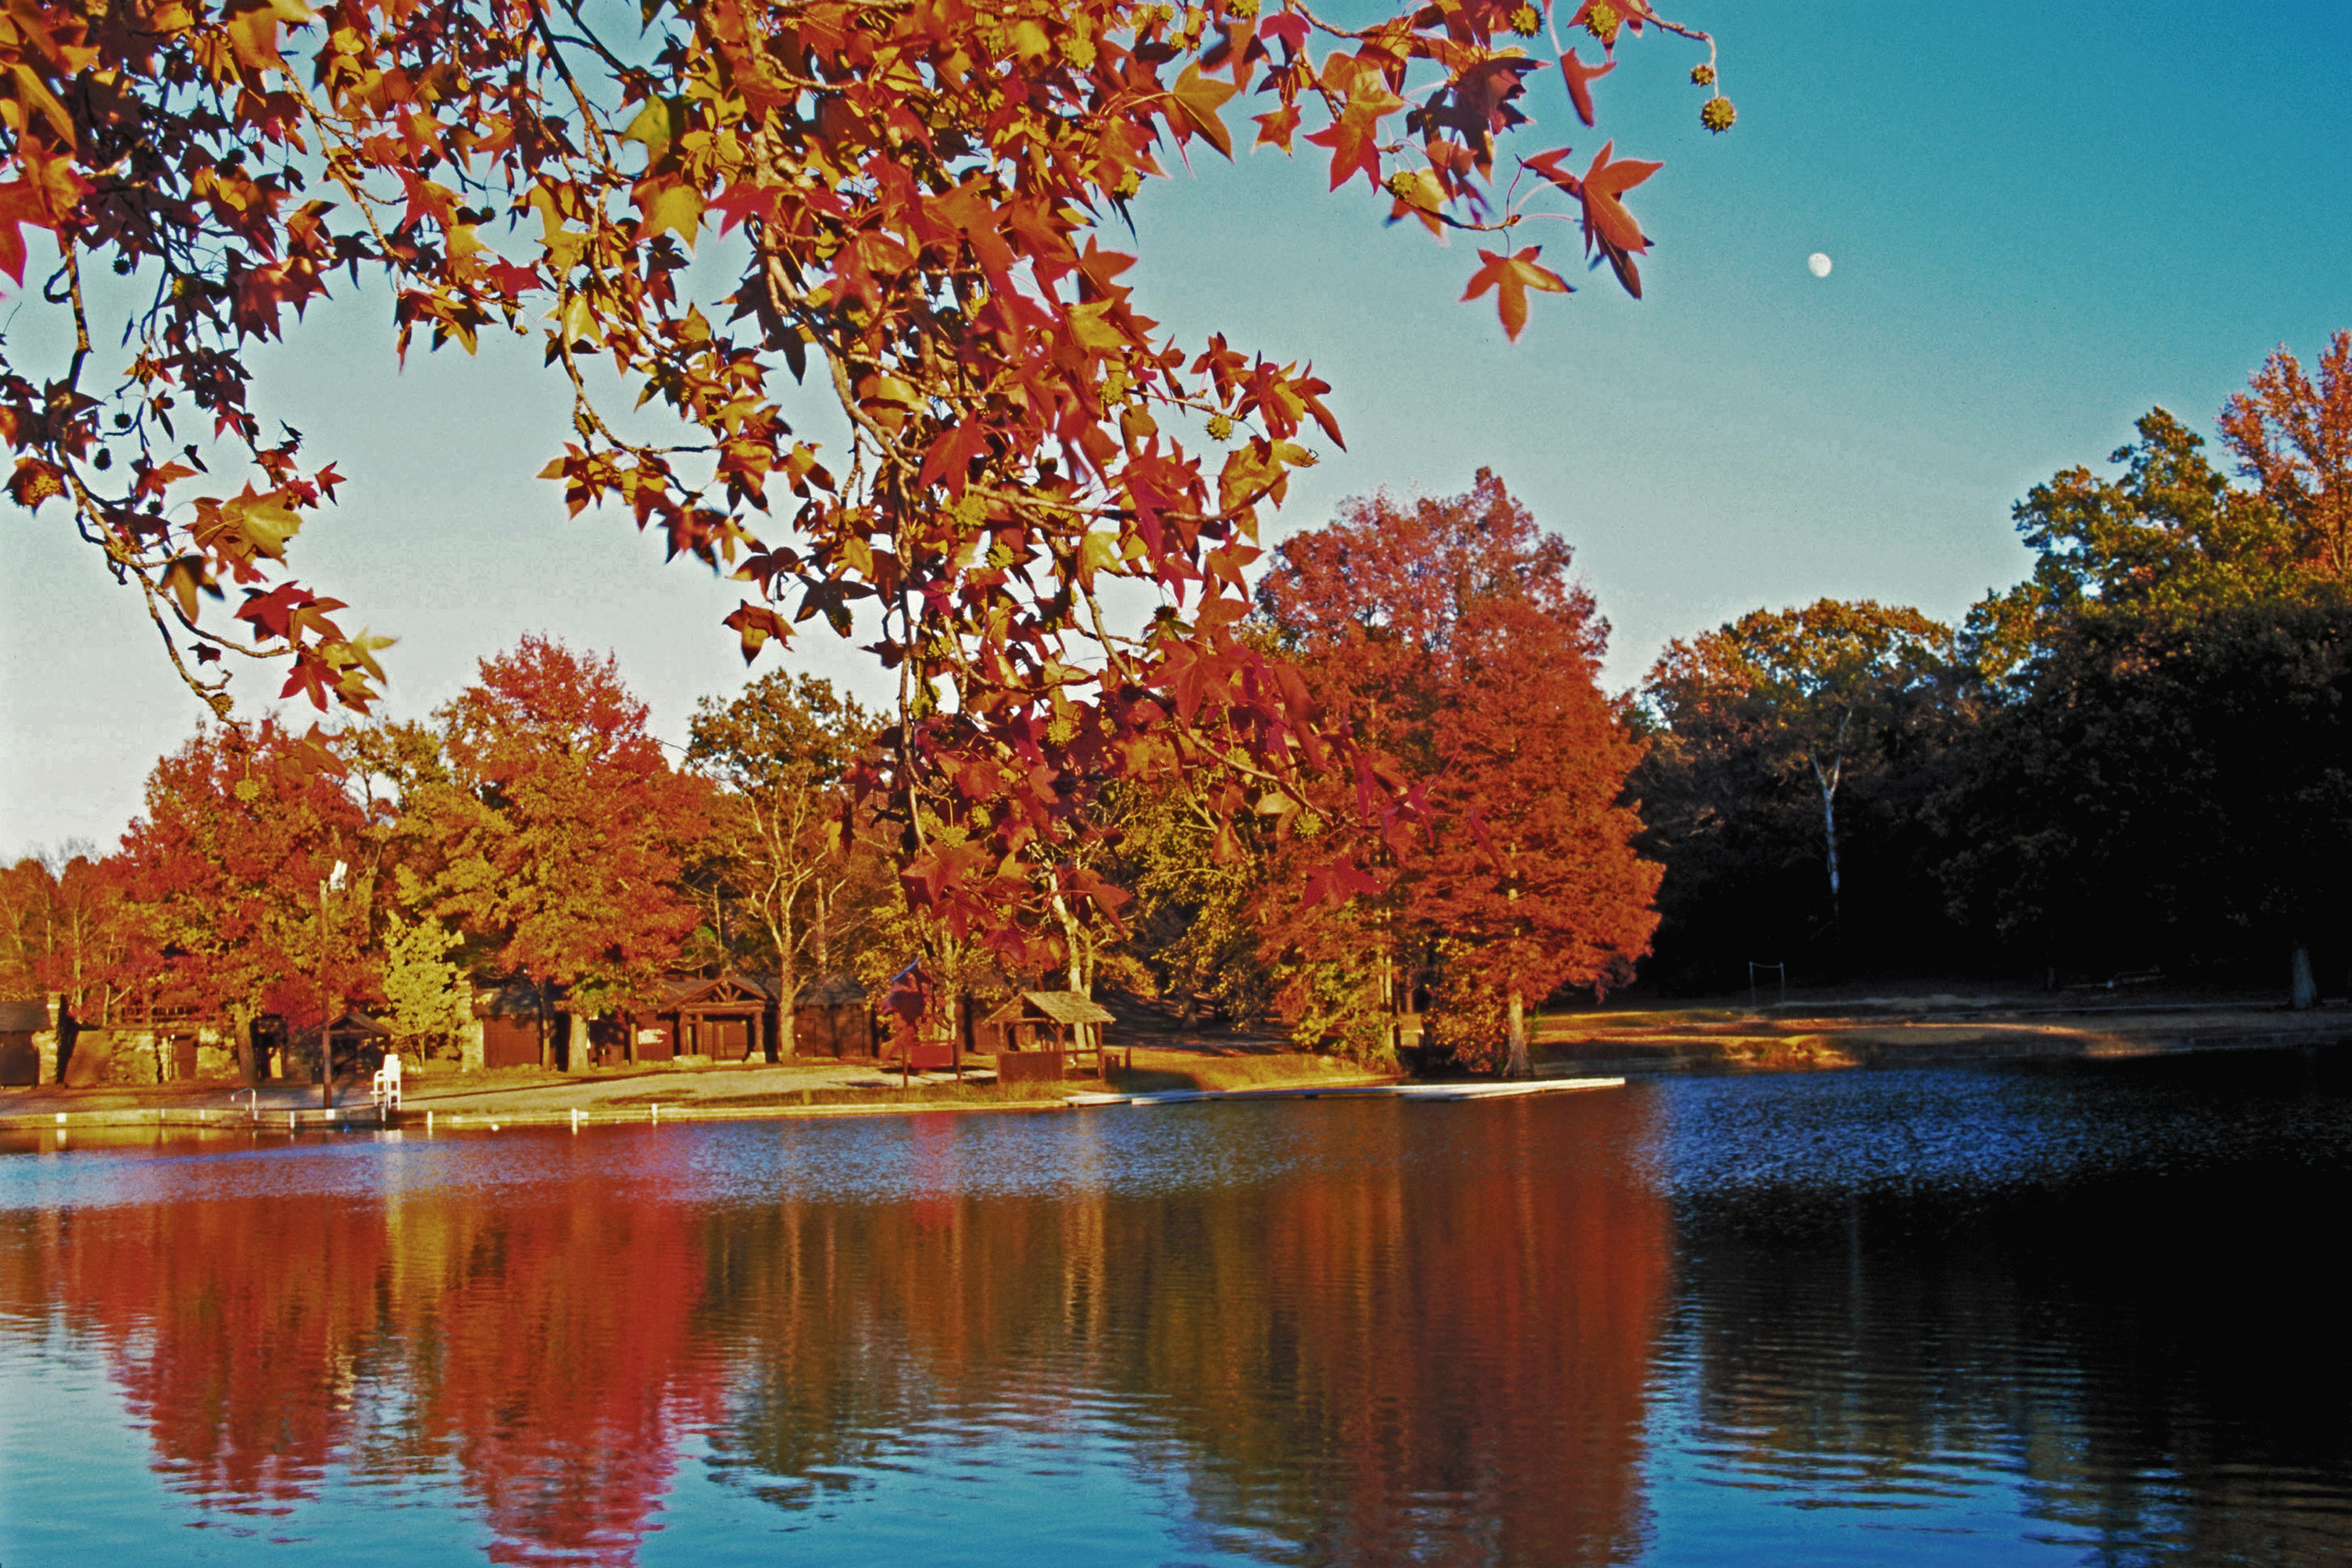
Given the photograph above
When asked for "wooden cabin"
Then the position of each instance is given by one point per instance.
(727, 1018)
(1042, 1034)
(830, 1018)
(516, 1018)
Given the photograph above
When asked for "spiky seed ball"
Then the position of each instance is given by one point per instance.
(1220, 427)
(1242, 10)
(1716, 115)
(1703, 74)
(1602, 22)
(1526, 22)
(1401, 184)
(1128, 183)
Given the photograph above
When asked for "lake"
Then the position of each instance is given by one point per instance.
(2078, 1314)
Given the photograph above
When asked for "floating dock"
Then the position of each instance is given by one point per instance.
(1423, 1091)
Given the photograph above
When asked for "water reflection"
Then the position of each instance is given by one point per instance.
(2010, 1317)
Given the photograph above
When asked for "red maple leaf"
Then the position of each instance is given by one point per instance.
(1354, 141)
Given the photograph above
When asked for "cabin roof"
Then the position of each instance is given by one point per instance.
(835, 990)
(1059, 1006)
(730, 989)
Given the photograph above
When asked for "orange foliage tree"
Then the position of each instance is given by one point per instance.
(904, 199)
(232, 870)
(560, 840)
(2293, 438)
(1450, 633)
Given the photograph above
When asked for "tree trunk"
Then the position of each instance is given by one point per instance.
(2305, 989)
(788, 987)
(1829, 832)
(241, 1025)
(1070, 939)
(1519, 1066)
(576, 1047)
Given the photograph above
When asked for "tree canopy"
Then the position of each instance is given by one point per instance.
(904, 202)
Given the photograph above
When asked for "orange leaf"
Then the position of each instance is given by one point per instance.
(1605, 216)
(1511, 276)
(1197, 99)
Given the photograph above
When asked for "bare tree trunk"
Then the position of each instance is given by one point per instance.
(575, 1052)
(788, 991)
(1519, 1066)
(2305, 989)
(1070, 939)
(1828, 778)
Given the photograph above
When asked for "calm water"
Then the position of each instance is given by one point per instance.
(2055, 1316)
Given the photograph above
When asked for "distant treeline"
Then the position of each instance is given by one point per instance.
(2136, 759)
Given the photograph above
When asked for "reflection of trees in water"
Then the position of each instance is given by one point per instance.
(1438, 1355)
(542, 1349)
(1428, 1343)
(2160, 1356)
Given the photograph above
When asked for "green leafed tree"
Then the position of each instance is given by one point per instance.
(429, 998)
(1762, 731)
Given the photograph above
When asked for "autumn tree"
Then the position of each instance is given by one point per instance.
(782, 844)
(232, 868)
(66, 930)
(2293, 438)
(559, 839)
(1453, 636)
(899, 205)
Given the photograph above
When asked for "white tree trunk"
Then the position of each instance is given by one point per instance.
(1519, 1066)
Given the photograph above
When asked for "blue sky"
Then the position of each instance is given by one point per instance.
(2044, 218)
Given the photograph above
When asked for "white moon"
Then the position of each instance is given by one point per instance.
(1818, 264)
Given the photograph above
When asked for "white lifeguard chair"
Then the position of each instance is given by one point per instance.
(384, 1090)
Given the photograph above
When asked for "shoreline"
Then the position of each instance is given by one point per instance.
(1632, 1045)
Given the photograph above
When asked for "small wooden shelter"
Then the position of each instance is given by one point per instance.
(830, 1018)
(725, 1019)
(1040, 1033)
(517, 1020)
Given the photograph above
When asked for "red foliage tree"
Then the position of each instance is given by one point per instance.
(920, 187)
(560, 841)
(1450, 634)
(233, 872)
(65, 930)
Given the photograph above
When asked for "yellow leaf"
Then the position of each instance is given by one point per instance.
(675, 207)
(1097, 553)
(266, 522)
